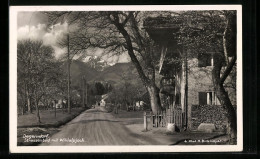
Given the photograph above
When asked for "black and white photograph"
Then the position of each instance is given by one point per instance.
(126, 78)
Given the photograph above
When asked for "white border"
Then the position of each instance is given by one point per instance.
(93, 149)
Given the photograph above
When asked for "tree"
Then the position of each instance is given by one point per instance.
(36, 68)
(116, 33)
(229, 46)
(24, 60)
(215, 32)
(56, 85)
(92, 92)
(115, 96)
(130, 90)
(100, 88)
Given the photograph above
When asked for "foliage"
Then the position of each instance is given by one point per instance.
(102, 88)
(126, 92)
(39, 74)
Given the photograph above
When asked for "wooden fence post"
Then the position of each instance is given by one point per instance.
(145, 121)
(55, 109)
(157, 119)
(151, 119)
(161, 122)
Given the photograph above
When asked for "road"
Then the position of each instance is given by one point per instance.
(96, 127)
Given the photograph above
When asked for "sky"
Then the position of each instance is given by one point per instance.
(33, 25)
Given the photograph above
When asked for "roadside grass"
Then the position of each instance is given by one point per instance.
(129, 117)
(48, 118)
(129, 114)
(27, 124)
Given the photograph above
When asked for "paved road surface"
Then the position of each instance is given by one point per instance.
(97, 127)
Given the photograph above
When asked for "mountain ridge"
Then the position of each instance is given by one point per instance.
(112, 74)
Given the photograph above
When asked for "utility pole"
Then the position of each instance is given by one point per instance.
(86, 92)
(69, 108)
(83, 91)
(186, 85)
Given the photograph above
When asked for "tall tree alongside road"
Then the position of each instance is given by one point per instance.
(213, 32)
(116, 33)
(36, 71)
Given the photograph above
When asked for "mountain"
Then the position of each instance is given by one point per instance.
(79, 69)
(114, 74)
(111, 74)
(97, 63)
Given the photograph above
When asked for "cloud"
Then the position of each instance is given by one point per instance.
(32, 18)
(52, 35)
(40, 32)
(31, 32)
(56, 33)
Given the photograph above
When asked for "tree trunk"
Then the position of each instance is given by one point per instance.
(222, 95)
(69, 106)
(154, 99)
(37, 111)
(231, 113)
(23, 109)
(150, 84)
(86, 94)
(83, 92)
(28, 99)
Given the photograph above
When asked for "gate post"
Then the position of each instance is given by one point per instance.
(151, 119)
(145, 121)
(157, 120)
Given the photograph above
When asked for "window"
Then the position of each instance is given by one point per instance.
(205, 59)
(208, 98)
(202, 98)
(177, 99)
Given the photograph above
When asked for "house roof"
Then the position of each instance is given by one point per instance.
(163, 31)
(104, 96)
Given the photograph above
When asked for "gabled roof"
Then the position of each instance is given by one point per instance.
(161, 29)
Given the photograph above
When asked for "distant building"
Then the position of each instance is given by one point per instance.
(59, 104)
(103, 102)
(139, 104)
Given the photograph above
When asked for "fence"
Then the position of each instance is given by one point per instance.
(177, 117)
(161, 120)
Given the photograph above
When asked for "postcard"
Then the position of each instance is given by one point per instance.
(99, 79)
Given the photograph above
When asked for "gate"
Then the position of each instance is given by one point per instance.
(161, 120)
(177, 117)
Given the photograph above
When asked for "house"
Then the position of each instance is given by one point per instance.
(186, 83)
(143, 101)
(139, 103)
(102, 101)
(60, 103)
